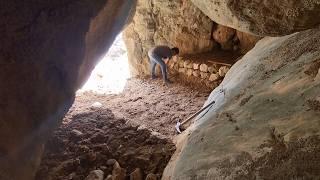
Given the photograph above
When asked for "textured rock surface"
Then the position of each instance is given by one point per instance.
(264, 18)
(44, 45)
(173, 23)
(224, 35)
(265, 122)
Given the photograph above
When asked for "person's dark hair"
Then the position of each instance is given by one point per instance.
(175, 50)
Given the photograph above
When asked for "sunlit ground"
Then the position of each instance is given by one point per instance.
(111, 73)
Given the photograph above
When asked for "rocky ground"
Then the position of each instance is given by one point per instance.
(123, 135)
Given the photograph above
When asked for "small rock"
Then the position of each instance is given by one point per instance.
(181, 63)
(136, 174)
(76, 132)
(92, 156)
(189, 72)
(111, 162)
(223, 70)
(203, 75)
(154, 133)
(96, 105)
(212, 69)
(103, 167)
(196, 73)
(118, 173)
(186, 63)
(204, 68)
(151, 177)
(195, 66)
(95, 175)
(109, 177)
(214, 77)
(182, 70)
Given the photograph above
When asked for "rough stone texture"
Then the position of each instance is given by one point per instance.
(265, 120)
(136, 175)
(246, 41)
(214, 77)
(173, 23)
(224, 36)
(263, 18)
(204, 68)
(223, 70)
(48, 49)
(95, 175)
(151, 177)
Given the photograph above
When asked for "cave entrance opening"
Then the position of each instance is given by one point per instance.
(111, 74)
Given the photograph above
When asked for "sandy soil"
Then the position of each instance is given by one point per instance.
(135, 127)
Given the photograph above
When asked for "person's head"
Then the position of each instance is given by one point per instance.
(175, 51)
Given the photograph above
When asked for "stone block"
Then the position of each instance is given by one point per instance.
(182, 70)
(196, 66)
(214, 77)
(189, 72)
(223, 70)
(204, 75)
(196, 73)
(181, 63)
(213, 69)
(204, 68)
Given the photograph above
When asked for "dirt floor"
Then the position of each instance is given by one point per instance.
(136, 128)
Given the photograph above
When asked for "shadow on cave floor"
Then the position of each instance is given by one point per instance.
(135, 127)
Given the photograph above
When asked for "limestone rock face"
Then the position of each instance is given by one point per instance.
(224, 35)
(265, 120)
(246, 41)
(172, 23)
(263, 18)
(48, 49)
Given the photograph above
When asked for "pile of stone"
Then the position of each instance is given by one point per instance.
(209, 72)
(118, 173)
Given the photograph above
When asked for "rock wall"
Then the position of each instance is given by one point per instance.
(48, 49)
(181, 24)
(263, 18)
(173, 23)
(265, 120)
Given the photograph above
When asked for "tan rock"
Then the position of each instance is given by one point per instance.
(118, 173)
(109, 177)
(189, 72)
(182, 70)
(214, 77)
(246, 41)
(196, 66)
(223, 35)
(187, 64)
(204, 68)
(136, 174)
(95, 175)
(181, 63)
(223, 70)
(204, 75)
(272, 18)
(151, 177)
(196, 73)
(212, 69)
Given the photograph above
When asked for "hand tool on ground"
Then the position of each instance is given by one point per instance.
(179, 124)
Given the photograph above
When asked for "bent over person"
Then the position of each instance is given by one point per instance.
(161, 55)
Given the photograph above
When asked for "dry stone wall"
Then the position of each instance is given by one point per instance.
(181, 24)
(205, 73)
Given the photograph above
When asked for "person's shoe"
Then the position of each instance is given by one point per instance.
(154, 77)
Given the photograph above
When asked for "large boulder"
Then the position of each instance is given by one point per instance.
(173, 23)
(48, 49)
(265, 120)
(263, 18)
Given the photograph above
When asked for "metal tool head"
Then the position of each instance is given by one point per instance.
(177, 126)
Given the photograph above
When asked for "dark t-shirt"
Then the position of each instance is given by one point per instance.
(162, 51)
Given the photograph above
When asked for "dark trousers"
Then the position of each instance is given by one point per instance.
(154, 60)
